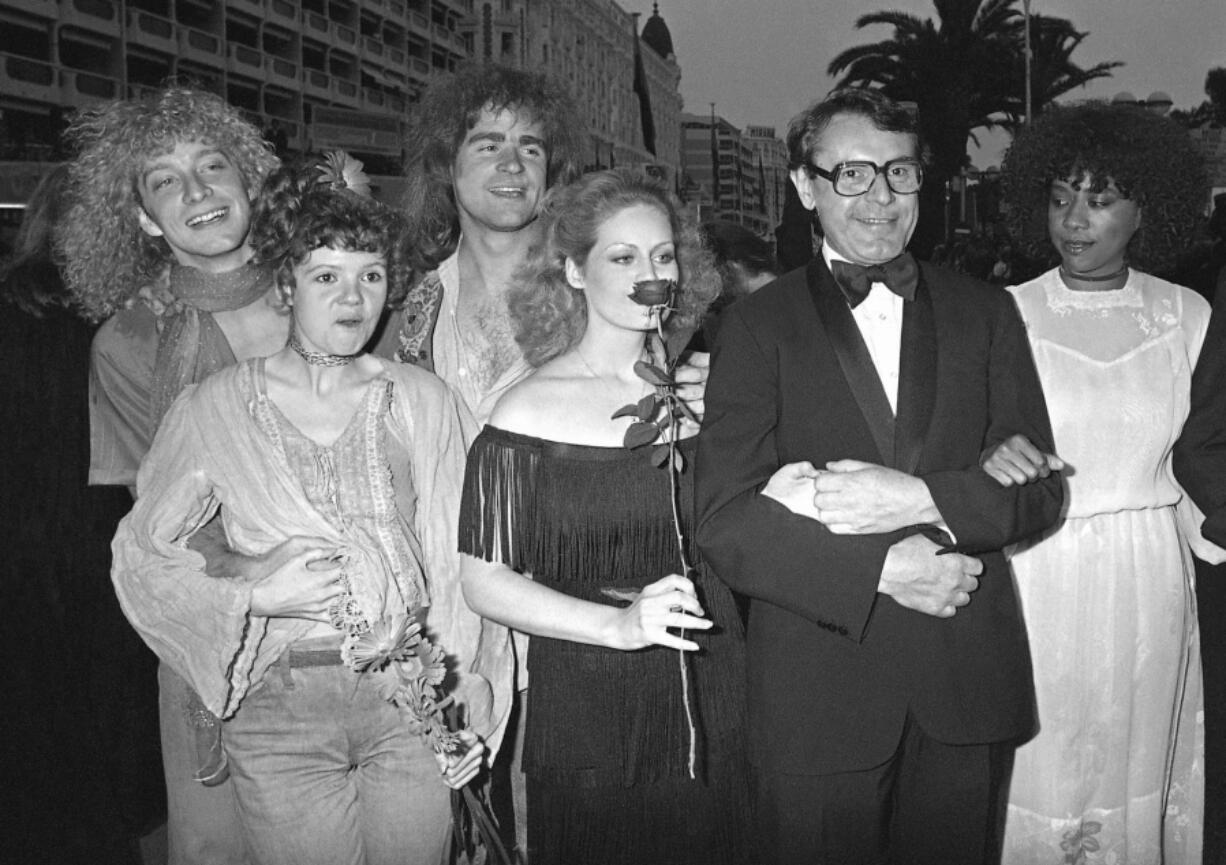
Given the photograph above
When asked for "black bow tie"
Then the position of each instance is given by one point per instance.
(900, 276)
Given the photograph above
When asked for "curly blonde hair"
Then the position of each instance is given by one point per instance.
(547, 314)
(105, 256)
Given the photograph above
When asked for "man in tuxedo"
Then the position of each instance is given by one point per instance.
(839, 487)
(1199, 461)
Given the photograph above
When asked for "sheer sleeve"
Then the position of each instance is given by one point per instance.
(198, 625)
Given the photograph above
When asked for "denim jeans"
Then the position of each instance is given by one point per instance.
(202, 823)
(327, 772)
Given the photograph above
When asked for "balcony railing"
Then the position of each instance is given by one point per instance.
(41, 8)
(78, 87)
(318, 83)
(283, 69)
(316, 22)
(94, 15)
(282, 10)
(200, 45)
(32, 79)
(246, 55)
(151, 24)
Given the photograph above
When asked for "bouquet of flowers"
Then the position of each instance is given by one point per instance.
(409, 672)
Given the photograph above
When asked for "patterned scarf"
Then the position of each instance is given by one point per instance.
(192, 345)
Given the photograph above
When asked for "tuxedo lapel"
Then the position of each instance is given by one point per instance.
(917, 379)
(857, 365)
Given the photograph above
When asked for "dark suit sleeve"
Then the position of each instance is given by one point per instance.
(983, 515)
(756, 545)
(1200, 453)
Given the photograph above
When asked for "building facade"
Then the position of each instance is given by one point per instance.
(279, 61)
(331, 73)
(725, 173)
(771, 160)
(627, 88)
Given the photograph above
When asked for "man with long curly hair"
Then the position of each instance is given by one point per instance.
(154, 234)
(159, 195)
(485, 145)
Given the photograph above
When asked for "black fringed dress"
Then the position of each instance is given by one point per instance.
(607, 745)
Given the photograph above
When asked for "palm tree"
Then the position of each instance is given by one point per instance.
(952, 72)
(964, 73)
(1052, 70)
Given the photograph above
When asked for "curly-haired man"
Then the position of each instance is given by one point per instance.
(485, 146)
(154, 234)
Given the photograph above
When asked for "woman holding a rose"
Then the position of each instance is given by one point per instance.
(635, 742)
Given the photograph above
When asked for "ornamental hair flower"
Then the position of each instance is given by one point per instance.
(342, 171)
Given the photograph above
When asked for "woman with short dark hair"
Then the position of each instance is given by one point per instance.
(345, 469)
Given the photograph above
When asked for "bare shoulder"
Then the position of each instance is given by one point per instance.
(528, 407)
(538, 405)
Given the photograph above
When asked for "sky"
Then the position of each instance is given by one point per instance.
(762, 61)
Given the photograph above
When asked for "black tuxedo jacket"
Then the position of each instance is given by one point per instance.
(835, 667)
(1200, 453)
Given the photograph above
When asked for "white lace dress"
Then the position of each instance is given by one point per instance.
(1116, 773)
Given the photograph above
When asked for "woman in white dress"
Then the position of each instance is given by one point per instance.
(1116, 772)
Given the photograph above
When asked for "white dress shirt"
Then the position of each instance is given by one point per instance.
(879, 318)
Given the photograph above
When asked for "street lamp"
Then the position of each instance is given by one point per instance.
(1026, 53)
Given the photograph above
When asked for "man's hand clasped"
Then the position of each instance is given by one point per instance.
(921, 578)
(850, 497)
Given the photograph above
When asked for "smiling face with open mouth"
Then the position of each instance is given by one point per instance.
(196, 199)
(338, 297)
(499, 174)
(872, 228)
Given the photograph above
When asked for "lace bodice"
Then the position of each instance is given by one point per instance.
(1122, 359)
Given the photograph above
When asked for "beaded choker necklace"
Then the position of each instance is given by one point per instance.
(318, 358)
(1110, 276)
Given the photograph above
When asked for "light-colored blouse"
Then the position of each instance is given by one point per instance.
(222, 447)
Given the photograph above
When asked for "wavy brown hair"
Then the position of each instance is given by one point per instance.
(1151, 159)
(106, 257)
(549, 316)
(451, 107)
(297, 213)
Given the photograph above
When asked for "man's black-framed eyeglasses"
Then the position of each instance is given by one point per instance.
(903, 176)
